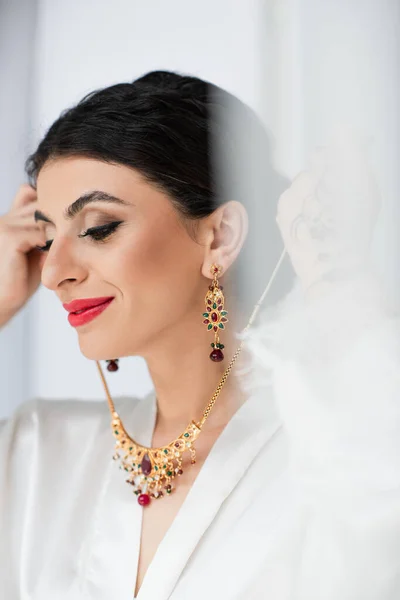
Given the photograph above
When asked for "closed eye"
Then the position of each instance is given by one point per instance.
(96, 233)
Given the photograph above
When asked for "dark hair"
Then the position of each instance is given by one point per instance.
(195, 141)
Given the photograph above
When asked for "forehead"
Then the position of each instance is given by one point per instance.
(61, 181)
(69, 177)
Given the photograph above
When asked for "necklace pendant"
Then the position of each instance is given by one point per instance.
(144, 499)
(153, 470)
(146, 465)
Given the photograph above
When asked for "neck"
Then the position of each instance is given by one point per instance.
(185, 378)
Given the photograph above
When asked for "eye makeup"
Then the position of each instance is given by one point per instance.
(98, 234)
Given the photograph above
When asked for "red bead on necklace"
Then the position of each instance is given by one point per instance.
(144, 499)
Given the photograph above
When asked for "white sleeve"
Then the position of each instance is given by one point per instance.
(335, 364)
(17, 446)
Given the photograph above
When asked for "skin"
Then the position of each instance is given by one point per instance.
(20, 265)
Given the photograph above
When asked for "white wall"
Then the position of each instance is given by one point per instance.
(17, 27)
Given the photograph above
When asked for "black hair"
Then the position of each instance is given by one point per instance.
(195, 141)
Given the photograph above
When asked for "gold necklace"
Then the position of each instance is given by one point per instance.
(152, 470)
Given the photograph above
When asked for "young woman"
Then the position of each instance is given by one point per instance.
(151, 215)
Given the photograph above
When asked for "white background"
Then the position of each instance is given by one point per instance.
(305, 65)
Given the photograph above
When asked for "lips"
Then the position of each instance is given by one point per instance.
(85, 303)
(85, 310)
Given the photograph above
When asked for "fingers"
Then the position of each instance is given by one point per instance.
(27, 209)
(23, 239)
(24, 196)
(21, 215)
(20, 220)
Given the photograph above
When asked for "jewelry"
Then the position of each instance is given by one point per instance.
(215, 317)
(152, 470)
(112, 365)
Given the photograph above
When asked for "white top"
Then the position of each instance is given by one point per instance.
(299, 499)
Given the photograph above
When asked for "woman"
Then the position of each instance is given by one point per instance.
(144, 231)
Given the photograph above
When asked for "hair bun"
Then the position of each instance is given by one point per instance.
(169, 81)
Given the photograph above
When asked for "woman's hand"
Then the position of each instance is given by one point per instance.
(327, 215)
(20, 265)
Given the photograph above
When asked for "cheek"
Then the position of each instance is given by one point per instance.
(157, 270)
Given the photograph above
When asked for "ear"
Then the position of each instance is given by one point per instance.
(225, 233)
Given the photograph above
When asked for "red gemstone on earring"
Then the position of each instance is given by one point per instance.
(215, 328)
(146, 465)
(214, 317)
(144, 499)
(217, 355)
(112, 365)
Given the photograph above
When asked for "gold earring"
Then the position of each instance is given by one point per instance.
(216, 316)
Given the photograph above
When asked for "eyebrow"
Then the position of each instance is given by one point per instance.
(80, 203)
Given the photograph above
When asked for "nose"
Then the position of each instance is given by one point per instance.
(62, 266)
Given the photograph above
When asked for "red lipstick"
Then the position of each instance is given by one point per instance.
(84, 310)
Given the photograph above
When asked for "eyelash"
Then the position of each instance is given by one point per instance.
(97, 234)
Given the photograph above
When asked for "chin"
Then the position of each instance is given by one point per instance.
(95, 351)
(107, 344)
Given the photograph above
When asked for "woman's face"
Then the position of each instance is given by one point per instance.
(142, 256)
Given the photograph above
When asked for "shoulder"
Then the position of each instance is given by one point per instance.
(40, 416)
